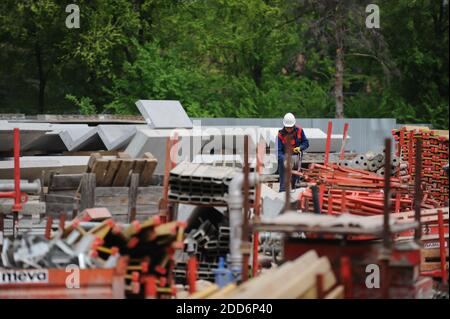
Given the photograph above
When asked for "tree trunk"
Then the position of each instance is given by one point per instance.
(257, 73)
(42, 80)
(339, 76)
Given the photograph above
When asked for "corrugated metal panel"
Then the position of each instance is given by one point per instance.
(366, 134)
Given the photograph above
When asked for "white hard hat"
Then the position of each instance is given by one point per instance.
(289, 120)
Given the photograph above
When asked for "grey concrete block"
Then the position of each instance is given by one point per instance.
(164, 114)
(81, 139)
(116, 137)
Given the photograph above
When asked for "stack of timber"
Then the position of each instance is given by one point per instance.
(120, 184)
(434, 157)
(307, 277)
(116, 171)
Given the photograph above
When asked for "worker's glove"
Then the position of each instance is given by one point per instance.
(297, 150)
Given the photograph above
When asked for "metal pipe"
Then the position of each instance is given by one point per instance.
(287, 173)
(315, 196)
(25, 186)
(245, 233)
(418, 190)
(442, 252)
(235, 205)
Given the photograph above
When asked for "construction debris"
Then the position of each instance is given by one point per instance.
(150, 247)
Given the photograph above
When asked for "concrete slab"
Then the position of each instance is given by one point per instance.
(164, 114)
(82, 140)
(36, 167)
(192, 142)
(52, 142)
(117, 137)
(29, 132)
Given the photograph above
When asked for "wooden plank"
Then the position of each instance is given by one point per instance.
(132, 196)
(336, 293)
(65, 181)
(54, 198)
(123, 172)
(149, 168)
(110, 173)
(87, 191)
(99, 169)
(433, 252)
(272, 279)
(111, 191)
(138, 166)
(298, 285)
(55, 208)
(123, 155)
(102, 201)
(89, 153)
(94, 157)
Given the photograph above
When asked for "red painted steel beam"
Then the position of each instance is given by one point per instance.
(328, 143)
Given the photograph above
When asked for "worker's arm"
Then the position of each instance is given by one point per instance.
(304, 144)
(280, 147)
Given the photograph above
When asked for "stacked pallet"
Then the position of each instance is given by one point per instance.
(430, 252)
(434, 157)
(116, 171)
(357, 191)
(307, 277)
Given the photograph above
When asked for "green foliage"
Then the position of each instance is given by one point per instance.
(84, 104)
(225, 58)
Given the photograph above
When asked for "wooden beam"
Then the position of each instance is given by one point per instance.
(132, 196)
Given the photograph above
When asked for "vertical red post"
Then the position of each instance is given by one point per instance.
(150, 287)
(442, 251)
(410, 152)
(344, 140)
(192, 274)
(346, 276)
(48, 227)
(17, 206)
(328, 144)
(320, 286)
(62, 221)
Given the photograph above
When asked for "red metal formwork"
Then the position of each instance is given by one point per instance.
(64, 283)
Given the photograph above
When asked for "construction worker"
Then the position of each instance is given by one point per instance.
(299, 143)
